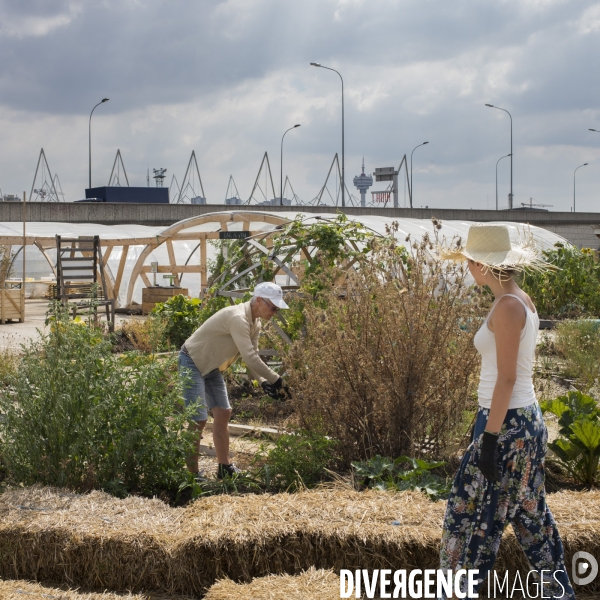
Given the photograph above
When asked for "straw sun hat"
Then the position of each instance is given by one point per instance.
(491, 246)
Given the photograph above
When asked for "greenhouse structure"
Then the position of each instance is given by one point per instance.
(184, 250)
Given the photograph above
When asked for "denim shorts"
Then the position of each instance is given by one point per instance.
(209, 390)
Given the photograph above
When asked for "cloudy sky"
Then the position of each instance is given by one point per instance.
(227, 78)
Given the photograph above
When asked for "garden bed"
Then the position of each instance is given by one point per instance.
(99, 542)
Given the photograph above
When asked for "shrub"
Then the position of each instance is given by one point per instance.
(9, 361)
(571, 291)
(80, 417)
(388, 367)
(578, 342)
(579, 447)
(297, 459)
(146, 336)
(180, 317)
(388, 474)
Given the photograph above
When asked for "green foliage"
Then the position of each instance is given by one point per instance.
(297, 460)
(181, 317)
(78, 416)
(579, 447)
(571, 291)
(9, 362)
(392, 474)
(578, 343)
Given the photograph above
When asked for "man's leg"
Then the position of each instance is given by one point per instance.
(193, 391)
(221, 433)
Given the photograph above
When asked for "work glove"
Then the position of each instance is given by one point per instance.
(489, 457)
(276, 390)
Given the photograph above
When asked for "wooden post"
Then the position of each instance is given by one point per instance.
(203, 267)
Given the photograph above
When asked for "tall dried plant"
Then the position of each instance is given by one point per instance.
(387, 365)
(6, 265)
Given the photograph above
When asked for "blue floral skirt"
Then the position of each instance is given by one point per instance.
(479, 510)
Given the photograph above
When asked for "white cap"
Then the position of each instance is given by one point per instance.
(270, 291)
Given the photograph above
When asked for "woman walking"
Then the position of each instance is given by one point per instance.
(501, 476)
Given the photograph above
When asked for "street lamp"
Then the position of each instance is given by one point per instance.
(595, 130)
(411, 183)
(497, 177)
(281, 164)
(510, 204)
(579, 167)
(314, 64)
(90, 137)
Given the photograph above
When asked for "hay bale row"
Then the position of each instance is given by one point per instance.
(27, 590)
(312, 584)
(100, 542)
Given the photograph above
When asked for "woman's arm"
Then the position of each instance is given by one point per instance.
(507, 320)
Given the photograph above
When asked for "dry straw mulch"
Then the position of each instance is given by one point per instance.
(96, 541)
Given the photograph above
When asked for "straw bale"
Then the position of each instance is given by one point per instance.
(26, 590)
(312, 584)
(96, 541)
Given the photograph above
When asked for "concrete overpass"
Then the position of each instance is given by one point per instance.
(579, 228)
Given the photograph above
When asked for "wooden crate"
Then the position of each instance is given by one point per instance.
(154, 295)
(10, 305)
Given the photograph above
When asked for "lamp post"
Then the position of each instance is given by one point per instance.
(281, 165)
(510, 204)
(497, 177)
(595, 130)
(411, 183)
(579, 167)
(90, 138)
(314, 64)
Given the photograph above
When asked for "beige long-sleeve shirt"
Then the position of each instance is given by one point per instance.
(226, 335)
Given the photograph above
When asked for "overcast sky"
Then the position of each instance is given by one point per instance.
(227, 78)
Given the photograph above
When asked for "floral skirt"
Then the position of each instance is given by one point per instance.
(478, 510)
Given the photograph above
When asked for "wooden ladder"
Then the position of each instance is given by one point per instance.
(78, 263)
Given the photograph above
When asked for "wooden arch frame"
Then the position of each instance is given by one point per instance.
(177, 232)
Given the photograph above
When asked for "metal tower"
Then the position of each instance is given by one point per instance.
(363, 183)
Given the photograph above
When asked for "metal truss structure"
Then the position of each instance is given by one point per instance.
(114, 179)
(46, 192)
(191, 181)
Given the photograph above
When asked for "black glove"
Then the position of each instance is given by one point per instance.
(488, 460)
(276, 390)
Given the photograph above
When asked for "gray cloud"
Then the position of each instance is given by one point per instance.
(227, 78)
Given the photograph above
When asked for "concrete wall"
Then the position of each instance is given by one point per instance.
(578, 228)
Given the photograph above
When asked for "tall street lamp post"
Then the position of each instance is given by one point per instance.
(497, 177)
(595, 130)
(314, 64)
(281, 165)
(411, 183)
(510, 203)
(579, 167)
(90, 138)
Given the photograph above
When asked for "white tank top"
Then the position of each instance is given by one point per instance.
(523, 393)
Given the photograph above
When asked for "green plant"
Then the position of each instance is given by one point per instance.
(390, 474)
(296, 460)
(571, 291)
(181, 317)
(9, 362)
(578, 343)
(78, 416)
(579, 447)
